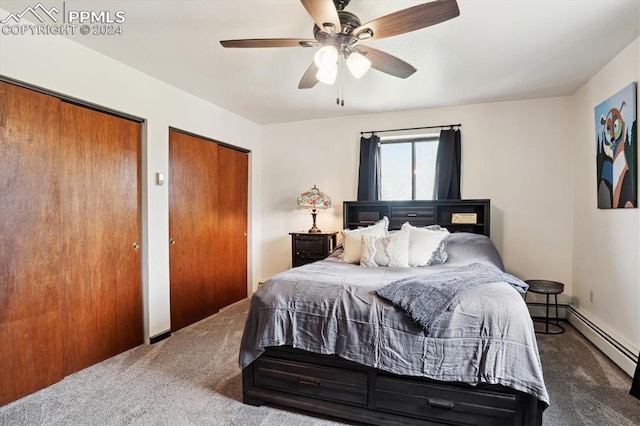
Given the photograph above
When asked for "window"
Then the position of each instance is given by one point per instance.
(407, 167)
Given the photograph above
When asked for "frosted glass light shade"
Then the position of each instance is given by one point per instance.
(358, 64)
(326, 57)
(327, 75)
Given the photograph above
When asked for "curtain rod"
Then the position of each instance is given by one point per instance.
(412, 128)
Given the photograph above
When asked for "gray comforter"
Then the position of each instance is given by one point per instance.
(331, 307)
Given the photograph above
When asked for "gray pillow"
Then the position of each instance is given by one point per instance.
(464, 248)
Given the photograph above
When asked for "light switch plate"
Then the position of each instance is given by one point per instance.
(159, 179)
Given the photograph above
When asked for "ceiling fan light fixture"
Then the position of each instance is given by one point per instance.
(358, 64)
(327, 74)
(326, 57)
(337, 32)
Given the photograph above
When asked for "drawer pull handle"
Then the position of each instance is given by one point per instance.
(412, 214)
(312, 383)
(441, 403)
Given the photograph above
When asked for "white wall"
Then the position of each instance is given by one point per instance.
(518, 154)
(606, 257)
(57, 64)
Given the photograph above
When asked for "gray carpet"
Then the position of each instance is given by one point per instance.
(585, 387)
(193, 378)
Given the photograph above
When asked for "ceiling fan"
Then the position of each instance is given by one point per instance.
(339, 33)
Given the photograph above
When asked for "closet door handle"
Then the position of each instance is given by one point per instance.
(135, 245)
(172, 241)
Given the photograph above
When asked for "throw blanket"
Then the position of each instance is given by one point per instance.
(425, 298)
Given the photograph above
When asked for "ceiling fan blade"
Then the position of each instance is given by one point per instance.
(411, 19)
(323, 12)
(269, 42)
(309, 79)
(387, 63)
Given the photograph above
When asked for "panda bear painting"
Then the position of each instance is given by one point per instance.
(616, 154)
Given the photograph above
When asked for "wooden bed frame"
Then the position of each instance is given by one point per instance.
(332, 386)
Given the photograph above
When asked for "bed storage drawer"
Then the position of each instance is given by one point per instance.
(331, 384)
(444, 403)
(418, 216)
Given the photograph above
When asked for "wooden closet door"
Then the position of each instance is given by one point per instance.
(100, 222)
(193, 218)
(30, 243)
(233, 175)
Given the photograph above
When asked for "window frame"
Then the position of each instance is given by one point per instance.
(413, 139)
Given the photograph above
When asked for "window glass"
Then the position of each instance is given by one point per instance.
(408, 168)
(425, 169)
(395, 172)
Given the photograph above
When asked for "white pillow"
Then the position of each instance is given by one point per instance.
(352, 239)
(391, 250)
(423, 243)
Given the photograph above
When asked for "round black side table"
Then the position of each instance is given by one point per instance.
(547, 288)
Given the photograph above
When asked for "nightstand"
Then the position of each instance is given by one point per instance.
(307, 248)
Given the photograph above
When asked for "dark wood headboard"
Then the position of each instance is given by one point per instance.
(455, 215)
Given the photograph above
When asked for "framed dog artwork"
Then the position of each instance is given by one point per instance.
(616, 150)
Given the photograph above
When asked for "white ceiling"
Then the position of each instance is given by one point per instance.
(495, 50)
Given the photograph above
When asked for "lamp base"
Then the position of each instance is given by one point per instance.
(314, 230)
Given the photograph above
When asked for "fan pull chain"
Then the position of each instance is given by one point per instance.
(342, 89)
(340, 85)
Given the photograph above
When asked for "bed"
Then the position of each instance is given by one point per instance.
(321, 337)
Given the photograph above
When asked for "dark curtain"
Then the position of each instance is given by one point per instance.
(635, 386)
(369, 172)
(447, 180)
